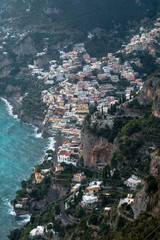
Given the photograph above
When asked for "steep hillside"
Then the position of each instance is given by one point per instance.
(72, 20)
(134, 146)
(151, 93)
(85, 14)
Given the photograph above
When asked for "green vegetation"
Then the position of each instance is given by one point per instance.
(144, 227)
(111, 21)
(136, 137)
(152, 185)
(106, 132)
(33, 106)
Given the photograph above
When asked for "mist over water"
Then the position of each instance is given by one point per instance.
(20, 149)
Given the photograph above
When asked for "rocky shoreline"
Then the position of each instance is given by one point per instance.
(16, 104)
(59, 138)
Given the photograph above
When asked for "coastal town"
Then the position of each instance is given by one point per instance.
(77, 83)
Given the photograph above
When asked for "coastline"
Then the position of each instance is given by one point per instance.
(55, 140)
(14, 106)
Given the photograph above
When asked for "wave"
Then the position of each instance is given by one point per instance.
(38, 135)
(10, 208)
(9, 108)
(51, 144)
(24, 219)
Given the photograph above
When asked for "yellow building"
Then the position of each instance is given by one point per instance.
(82, 109)
(38, 177)
(94, 188)
(61, 103)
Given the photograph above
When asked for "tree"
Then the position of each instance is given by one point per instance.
(57, 209)
(152, 185)
(15, 234)
(23, 184)
(106, 174)
(93, 219)
(49, 234)
(49, 151)
(80, 212)
(121, 222)
(49, 226)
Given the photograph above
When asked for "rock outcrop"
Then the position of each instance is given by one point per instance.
(5, 67)
(141, 202)
(33, 206)
(151, 93)
(155, 163)
(95, 149)
(25, 47)
(144, 202)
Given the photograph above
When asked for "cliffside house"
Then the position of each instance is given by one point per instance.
(63, 156)
(38, 177)
(76, 187)
(58, 168)
(37, 231)
(89, 199)
(94, 186)
(133, 181)
(79, 177)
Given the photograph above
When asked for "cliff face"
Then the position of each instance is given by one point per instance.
(155, 171)
(26, 47)
(95, 149)
(5, 67)
(42, 61)
(33, 206)
(151, 94)
(151, 202)
(141, 202)
(155, 164)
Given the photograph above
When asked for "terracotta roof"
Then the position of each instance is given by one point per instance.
(63, 152)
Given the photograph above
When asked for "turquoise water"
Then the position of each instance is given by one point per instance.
(20, 149)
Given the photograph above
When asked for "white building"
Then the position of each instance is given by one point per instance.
(129, 200)
(87, 69)
(64, 156)
(18, 205)
(89, 199)
(114, 78)
(133, 181)
(76, 187)
(37, 231)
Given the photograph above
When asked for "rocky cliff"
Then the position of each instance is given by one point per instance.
(151, 93)
(95, 149)
(155, 163)
(25, 47)
(33, 206)
(5, 66)
(141, 202)
(151, 202)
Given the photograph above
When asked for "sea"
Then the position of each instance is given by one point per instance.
(21, 148)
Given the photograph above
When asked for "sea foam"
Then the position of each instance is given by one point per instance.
(51, 144)
(9, 206)
(24, 219)
(9, 108)
(38, 135)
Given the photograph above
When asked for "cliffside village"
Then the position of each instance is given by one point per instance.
(77, 82)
